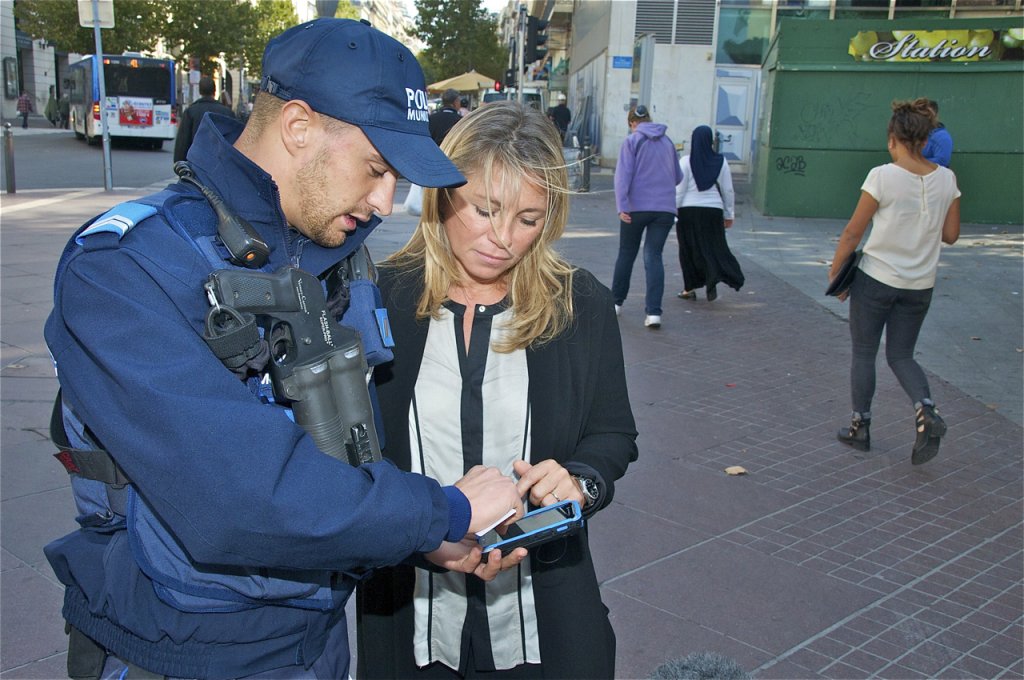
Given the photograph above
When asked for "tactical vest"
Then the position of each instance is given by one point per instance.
(106, 499)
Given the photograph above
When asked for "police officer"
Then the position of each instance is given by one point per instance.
(216, 539)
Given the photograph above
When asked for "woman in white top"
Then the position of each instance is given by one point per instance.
(913, 205)
(705, 207)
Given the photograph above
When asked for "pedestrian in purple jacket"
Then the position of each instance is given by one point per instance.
(645, 196)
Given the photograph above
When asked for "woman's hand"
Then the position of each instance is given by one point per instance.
(547, 482)
(728, 223)
(467, 557)
(626, 217)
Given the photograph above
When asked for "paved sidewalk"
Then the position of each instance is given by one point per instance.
(820, 562)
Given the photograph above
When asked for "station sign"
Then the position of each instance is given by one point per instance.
(938, 46)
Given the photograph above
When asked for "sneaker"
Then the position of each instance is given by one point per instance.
(858, 435)
(618, 310)
(930, 428)
(652, 321)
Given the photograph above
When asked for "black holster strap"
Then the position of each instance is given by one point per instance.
(89, 463)
(85, 656)
(233, 337)
(86, 659)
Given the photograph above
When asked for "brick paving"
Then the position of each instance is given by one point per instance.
(820, 562)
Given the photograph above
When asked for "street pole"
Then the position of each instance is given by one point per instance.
(108, 178)
(8, 158)
(520, 52)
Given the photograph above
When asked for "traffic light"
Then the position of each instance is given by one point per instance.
(510, 78)
(498, 87)
(535, 39)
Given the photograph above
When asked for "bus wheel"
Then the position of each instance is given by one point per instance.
(156, 144)
(79, 135)
(93, 141)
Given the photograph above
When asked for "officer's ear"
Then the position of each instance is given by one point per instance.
(295, 126)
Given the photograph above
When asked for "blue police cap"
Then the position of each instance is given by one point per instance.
(349, 70)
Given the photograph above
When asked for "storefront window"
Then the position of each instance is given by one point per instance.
(862, 9)
(788, 13)
(960, 4)
(743, 33)
(922, 3)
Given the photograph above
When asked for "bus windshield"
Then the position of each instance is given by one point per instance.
(142, 81)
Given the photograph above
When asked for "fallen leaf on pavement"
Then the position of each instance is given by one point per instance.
(735, 470)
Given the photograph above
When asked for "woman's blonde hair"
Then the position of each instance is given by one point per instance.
(516, 144)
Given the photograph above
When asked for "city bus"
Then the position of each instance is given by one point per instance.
(141, 99)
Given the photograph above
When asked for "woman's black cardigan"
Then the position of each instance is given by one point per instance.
(580, 416)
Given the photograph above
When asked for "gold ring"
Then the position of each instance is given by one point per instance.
(555, 496)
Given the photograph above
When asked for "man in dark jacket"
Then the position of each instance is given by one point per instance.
(217, 539)
(561, 116)
(443, 120)
(188, 122)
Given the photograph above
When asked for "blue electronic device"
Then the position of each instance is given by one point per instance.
(540, 526)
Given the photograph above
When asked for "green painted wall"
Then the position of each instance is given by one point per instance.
(824, 118)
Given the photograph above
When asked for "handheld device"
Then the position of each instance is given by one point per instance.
(540, 526)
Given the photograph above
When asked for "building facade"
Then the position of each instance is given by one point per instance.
(695, 62)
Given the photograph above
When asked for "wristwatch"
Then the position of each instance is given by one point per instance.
(590, 490)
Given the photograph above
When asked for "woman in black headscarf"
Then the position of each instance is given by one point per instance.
(705, 203)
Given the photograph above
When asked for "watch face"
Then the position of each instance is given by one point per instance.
(589, 488)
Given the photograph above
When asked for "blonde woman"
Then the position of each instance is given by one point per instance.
(507, 356)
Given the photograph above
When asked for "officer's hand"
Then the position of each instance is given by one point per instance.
(491, 495)
(467, 557)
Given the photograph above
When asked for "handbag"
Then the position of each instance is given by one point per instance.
(844, 278)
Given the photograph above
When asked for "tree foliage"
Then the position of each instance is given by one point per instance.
(272, 17)
(204, 29)
(138, 25)
(189, 28)
(346, 10)
(460, 35)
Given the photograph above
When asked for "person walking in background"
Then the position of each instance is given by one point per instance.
(645, 179)
(63, 111)
(188, 122)
(913, 206)
(560, 115)
(442, 120)
(510, 355)
(706, 205)
(25, 107)
(463, 106)
(51, 111)
(939, 148)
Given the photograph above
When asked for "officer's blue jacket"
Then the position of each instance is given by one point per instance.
(241, 541)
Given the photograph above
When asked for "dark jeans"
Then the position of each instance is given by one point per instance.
(874, 306)
(24, 119)
(658, 226)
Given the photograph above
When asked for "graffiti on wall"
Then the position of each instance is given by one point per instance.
(791, 165)
(829, 120)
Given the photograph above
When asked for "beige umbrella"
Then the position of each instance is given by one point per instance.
(467, 82)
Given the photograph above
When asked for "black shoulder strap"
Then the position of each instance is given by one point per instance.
(89, 463)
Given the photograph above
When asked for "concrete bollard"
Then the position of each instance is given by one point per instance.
(8, 159)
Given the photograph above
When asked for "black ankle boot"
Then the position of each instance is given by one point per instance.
(858, 435)
(930, 428)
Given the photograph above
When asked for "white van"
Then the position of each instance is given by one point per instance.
(534, 96)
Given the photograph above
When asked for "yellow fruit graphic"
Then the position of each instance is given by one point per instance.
(982, 38)
(861, 43)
